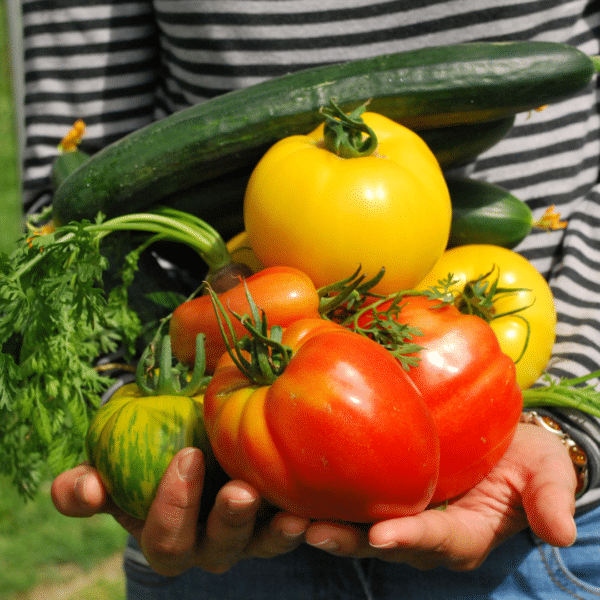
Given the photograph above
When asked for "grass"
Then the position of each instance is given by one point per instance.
(39, 546)
(10, 200)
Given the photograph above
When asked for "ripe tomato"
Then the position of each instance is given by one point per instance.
(469, 386)
(284, 293)
(537, 321)
(325, 215)
(342, 433)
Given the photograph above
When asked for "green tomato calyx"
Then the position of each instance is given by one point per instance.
(268, 357)
(344, 134)
(169, 379)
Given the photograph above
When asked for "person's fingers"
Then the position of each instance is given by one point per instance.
(79, 492)
(229, 527)
(425, 541)
(431, 539)
(168, 538)
(283, 534)
(549, 497)
(339, 539)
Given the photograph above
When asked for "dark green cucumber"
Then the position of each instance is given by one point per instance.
(64, 164)
(457, 145)
(484, 213)
(424, 88)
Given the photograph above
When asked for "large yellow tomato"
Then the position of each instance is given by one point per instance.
(526, 336)
(307, 207)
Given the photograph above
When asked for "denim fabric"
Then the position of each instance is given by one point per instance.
(522, 568)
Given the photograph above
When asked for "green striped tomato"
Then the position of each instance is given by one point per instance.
(132, 439)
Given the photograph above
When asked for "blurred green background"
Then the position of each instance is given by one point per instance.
(43, 554)
(10, 205)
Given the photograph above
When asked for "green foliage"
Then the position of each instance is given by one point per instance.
(10, 203)
(56, 320)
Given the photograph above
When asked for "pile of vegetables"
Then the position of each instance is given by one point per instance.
(362, 349)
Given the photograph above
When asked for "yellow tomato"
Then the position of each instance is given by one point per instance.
(309, 208)
(241, 252)
(532, 328)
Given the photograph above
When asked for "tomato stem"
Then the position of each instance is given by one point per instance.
(344, 133)
(259, 355)
(170, 380)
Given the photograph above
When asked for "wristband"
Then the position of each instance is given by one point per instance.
(576, 453)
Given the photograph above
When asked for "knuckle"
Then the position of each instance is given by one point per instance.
(168, 550)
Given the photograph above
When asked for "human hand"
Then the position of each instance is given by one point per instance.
(170, 538)
(533, 485)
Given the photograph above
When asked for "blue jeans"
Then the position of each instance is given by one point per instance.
(522, 568)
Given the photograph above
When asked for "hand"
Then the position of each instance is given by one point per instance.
(170, 537)
(534, 484)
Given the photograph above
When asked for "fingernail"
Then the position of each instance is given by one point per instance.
(292, 536)
(241, 504)
(327, 545)
(80, 487)
(187, 464)
(383, 546)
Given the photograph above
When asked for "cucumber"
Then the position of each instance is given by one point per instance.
(457, 145)
(484, 213)
(64, 164)
(424, 88)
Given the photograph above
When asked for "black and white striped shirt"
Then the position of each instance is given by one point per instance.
(122, 64)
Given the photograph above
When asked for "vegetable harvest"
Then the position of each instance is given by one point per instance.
(354, 397)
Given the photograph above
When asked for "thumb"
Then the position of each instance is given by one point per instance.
(549, 497)
(168, 538)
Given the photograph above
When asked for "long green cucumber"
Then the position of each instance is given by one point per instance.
(457, 145)
(64, 164)
(424, 88)
(484, 213)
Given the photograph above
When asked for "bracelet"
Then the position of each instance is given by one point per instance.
(576, 452)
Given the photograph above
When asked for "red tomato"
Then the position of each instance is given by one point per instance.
(284, 293)
(469, 386)
(341, 434)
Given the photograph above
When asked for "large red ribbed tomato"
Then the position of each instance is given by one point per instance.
(342, 433)
(469, 385)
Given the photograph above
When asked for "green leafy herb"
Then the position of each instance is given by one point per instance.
(574, 393)
(57, 320)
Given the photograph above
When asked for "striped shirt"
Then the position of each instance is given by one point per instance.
(120, 65)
